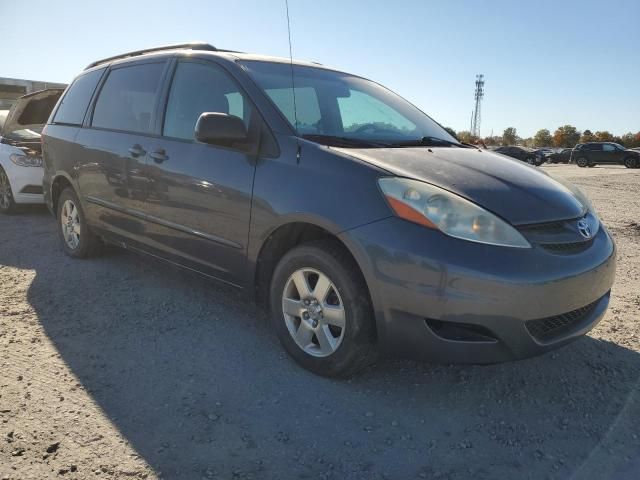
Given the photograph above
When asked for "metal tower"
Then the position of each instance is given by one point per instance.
(476, 115)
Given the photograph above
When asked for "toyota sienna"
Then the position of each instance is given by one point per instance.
(355, 218)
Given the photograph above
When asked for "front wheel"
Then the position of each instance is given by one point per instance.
(531, 161)
(7, 203)
(321, 311)
(631, 162)
(582, 162)
(78, 241)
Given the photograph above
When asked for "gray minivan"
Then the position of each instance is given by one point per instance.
(354, 217)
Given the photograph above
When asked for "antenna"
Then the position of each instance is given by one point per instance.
(293, 85)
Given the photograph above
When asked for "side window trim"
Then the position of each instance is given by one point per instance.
(154, 125)
(88, 115)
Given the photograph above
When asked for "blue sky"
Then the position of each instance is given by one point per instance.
(546, 63)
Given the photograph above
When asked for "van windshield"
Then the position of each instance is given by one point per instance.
(335, 108)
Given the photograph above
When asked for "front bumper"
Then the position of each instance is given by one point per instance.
(444, 299)
(26, 182)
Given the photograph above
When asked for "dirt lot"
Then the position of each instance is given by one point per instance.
(120, 367)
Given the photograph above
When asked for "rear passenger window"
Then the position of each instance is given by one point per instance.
(128, 97)
(199, 88)
(75, 102)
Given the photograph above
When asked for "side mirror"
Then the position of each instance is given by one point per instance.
(220, 129)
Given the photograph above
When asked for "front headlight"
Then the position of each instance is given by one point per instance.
(436, 208)
(26, 160)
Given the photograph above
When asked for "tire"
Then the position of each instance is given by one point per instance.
(7, 202)
(582, 162)
(323, 346)
(530, 160)
(78, 241)
(631, 162)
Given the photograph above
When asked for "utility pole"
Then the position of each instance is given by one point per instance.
(476, 117)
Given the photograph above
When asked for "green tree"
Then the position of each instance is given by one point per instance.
(587, 136)
(543, 138)
(603, 136)
(566, 136)
(509, 136)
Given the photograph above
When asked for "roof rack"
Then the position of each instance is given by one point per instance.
(187, 46)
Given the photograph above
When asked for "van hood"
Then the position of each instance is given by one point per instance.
(517, 192)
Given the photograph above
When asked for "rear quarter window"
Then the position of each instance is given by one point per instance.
(76, 100)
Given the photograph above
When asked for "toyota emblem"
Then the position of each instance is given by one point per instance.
(584, 228)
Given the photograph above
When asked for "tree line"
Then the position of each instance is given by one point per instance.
(566, 136)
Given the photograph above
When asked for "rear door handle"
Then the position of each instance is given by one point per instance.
(159, 155)
(137, 151)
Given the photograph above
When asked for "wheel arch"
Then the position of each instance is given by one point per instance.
(280, 241)
(60, 182)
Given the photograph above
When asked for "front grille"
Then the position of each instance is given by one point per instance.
(561, 237)
(546, 329)
(551, 227)
(35, 189)
(571, 247)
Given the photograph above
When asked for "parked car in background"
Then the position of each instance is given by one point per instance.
(596, 153)
(20, 149)
(358, 221)
(562, 156)
(524, 154)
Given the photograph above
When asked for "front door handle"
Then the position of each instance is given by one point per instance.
(159, 155)
(137, 151)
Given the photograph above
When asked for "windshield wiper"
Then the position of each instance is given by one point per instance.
(337, 141)
(428, 142)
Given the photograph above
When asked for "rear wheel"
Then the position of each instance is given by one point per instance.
(582, 162)
(78, 241)
(7, 203)
(321, 311)
(531, 160)
(631, 162)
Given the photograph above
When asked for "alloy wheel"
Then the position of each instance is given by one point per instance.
(6, 196)
(70, 221)
(313, 312)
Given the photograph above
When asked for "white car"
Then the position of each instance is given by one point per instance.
(21, 151)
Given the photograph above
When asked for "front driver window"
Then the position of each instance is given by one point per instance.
(198, 88)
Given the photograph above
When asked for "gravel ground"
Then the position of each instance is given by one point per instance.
(121, 367)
